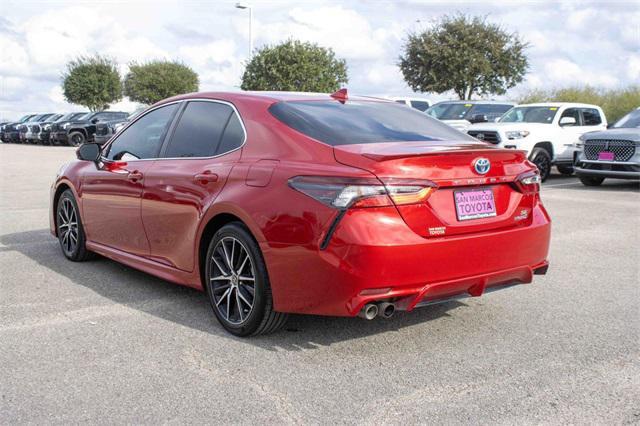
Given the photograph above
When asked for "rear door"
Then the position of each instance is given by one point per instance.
(191, 172)
(111, 193)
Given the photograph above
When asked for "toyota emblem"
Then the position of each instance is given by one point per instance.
(481, 165)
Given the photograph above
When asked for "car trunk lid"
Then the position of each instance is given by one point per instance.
(451, 209)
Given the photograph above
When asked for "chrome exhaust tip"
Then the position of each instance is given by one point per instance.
(368, 311)
(386, 310)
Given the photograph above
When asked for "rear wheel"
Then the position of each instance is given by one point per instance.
(70, 231)
(542, 159)
(77, 138)
(238, 285)
(565, 170)
(591, 180)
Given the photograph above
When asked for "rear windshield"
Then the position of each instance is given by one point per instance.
(357, 122)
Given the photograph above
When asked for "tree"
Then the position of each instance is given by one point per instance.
(465, 54)
(151, 82)
(92, 81)
(295, 66)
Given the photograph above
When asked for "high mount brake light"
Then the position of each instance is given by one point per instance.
(344, 193)
(529, 182)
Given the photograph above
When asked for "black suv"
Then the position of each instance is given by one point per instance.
(77, 131)
(44, 137)
(106, 129)
(19, 135)
(9, 129)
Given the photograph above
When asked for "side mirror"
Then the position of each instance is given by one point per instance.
(95, 120)
(479, 118)
(568, 121)
(88, 152)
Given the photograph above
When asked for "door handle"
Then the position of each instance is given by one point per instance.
(205, 177)
(135, 176)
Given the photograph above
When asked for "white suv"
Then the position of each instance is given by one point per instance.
(548, 132)
(421, 104)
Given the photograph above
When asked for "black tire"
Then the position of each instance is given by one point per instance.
(542, 159)
(66, 211)
(591, 180)
(260, 317)
(76, 139)
(565, 170)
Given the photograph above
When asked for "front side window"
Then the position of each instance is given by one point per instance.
(531, 114)
(201, 130)
(357, 122)
(143, 138)
(571, 112)
(591, 117)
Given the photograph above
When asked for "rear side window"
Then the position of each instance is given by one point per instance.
(205, 129)
(233, 136)
(357, 122)
(143, 138)
(591, 117)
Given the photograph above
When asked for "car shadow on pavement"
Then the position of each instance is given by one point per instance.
(188, 307)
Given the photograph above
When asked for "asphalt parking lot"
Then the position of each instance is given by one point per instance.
(102, 343)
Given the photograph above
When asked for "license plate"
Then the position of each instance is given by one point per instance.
(606, 156)
(474, 204)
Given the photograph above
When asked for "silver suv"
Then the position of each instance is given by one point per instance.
(612, 153)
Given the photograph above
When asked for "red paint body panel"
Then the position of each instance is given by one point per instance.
(156, 223)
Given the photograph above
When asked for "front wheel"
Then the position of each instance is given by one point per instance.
(237, 283)
(541, 158)
(70, 231)
(591, 180)
(77, 138)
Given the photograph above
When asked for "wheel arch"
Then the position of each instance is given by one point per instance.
(547, 146)
(61, 187)
(79, 129)
(212, 225)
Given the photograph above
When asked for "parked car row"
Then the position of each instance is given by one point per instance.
(72, 129)
(570, 136)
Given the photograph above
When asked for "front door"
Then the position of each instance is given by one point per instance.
(111, 194)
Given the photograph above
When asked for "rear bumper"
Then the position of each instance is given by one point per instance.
(378, 258)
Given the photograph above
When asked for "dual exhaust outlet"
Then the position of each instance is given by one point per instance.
(382, 309)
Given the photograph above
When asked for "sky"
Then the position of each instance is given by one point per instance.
(571, 42)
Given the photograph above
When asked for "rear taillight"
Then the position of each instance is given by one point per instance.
(529, 182)
(344, 193)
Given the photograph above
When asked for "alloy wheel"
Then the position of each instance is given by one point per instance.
(543, 164)
(76, 139)
(232, 280)
(68, 226)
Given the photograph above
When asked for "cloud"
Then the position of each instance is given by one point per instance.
(344, 30)
(571, 42)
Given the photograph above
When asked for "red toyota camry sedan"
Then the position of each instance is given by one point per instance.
(277, 203)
